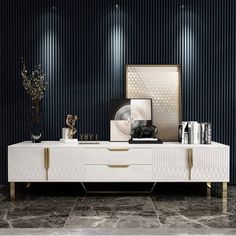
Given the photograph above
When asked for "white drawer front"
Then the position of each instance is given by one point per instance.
(26, 164)
(66, 164)
(96, 173)
(211, 164)
(170, 164)
(117, 156)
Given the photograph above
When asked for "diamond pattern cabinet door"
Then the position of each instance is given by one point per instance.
(66, 164)
(211, 164)
(170, 164)
(26, 164)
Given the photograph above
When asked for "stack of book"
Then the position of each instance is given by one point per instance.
(193, 132)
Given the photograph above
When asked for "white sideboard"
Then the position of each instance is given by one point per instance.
(52, 161)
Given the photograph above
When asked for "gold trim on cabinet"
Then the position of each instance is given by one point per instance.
(190, 162)
(118, 149)
(45, 158)
(48, 157)
(46, 161)
(12, 191)
(118, 166)
(224, 190)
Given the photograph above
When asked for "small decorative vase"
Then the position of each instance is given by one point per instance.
(36, 126)
(36, 133)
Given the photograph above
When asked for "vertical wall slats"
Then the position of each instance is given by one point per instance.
(84, 45)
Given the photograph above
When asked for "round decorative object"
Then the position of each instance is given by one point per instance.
(123, 113)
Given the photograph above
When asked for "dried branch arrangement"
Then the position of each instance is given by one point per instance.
(34, 84)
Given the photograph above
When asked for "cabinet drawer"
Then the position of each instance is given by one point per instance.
(26, 164)
(118, 155)
(211, 164)
(66, 164)
(126, 173)
(170, 165)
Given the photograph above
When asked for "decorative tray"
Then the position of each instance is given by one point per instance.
(145, 141)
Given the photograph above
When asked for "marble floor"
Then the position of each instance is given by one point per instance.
(170, 207)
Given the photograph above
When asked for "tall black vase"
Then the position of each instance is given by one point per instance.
(36, 133)
(36, 122)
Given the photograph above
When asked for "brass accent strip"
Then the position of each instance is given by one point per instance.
(209, 189)
(224, 190)
(48, 158)
(28, 185)
(46, 161)
(224, 197)
(209, 184)
(190, 162)
(118, 149)
(45, 158)
(118, 166)
(12, 191)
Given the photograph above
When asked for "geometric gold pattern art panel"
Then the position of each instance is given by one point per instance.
(161, 83)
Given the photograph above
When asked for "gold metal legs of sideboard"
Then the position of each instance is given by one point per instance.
(12, 191)
(209, 190)
(223, 190)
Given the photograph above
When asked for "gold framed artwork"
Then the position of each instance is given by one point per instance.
(161, 83)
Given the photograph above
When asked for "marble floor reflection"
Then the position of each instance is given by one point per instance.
(171, 206)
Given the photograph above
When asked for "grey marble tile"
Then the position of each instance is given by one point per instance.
(231, 196)
(57, 199)
(119, 231)
(52, 220)
(115, 203)
(117, 219)
(195, 212)
(35, 214)
(113, 212)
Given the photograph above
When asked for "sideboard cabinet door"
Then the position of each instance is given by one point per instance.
(26, 164)
(191, 164)
(66, 164)
(211, 164)
(170, 164)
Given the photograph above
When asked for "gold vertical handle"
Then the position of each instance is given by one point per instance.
(46, 161)
(48, 158)
(117, 166)
(45, 158)
(190, 162)
(118, 149)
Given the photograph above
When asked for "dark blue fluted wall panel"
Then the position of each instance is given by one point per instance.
(83, 46)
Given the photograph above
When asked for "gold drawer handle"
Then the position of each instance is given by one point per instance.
(118, 166)
(46, 161)
(118, 149)
(190, 162)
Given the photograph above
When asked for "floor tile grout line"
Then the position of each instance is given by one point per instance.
(158, 219)
(70, 212)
